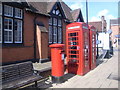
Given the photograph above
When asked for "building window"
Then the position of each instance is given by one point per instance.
(8, 30)
(0, 9)
(55, 31)
(50, 34)
(0, 29)
(18, 31)
(59, 34)
(55, 26)
(8, 10)
(13, 24)
(0, 23)
(55, 34)
(54, 21)
(18, 13)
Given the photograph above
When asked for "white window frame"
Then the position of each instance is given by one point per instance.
(55, 21)
(50, 34)
(53, 11)
(0, 9)
(8, 31)
(18, 31)
(59, 35)
(9, 8)
(1, 29)
(59, 22)
(54, 34)
(50, 21)
(17, 9)
(57, 12)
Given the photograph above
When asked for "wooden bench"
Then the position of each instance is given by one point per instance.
(18, 75)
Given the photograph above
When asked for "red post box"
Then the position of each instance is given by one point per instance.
(92, 49)
(77, 45)
(57, 63)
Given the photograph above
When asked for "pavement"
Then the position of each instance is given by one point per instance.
(105, 75)
(42, 66)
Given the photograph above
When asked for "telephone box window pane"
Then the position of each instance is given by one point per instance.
(73, 47)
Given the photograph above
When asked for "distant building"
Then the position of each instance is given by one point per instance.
(100, 25)
(115, 27)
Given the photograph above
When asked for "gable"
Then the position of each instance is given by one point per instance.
(77, 15)
(57, 10)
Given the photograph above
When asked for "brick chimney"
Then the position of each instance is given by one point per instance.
(102, 19)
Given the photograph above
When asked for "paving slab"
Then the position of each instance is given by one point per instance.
(104, 75)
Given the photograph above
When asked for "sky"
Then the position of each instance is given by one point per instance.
(96, 9)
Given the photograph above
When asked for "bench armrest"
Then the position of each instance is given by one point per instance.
(37, 72)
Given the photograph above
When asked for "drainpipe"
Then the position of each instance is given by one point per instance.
(34, 21)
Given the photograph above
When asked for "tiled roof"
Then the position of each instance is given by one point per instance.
(97, 25)
(46, 7)
(38, 7)
(75, 14)
(115, 21)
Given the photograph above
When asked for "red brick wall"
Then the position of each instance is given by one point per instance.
(115, 31)
(25, 52)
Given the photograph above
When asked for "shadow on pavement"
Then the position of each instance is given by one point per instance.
(68, 76)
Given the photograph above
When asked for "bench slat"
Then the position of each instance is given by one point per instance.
(18, 75)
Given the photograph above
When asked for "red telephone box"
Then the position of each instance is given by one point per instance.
(92, 49)
(77, 45)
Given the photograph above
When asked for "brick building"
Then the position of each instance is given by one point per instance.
(115, 27)
(100, 25)
(28, 28)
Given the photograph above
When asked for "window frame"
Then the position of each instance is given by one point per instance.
(18, 30)
(21, 13)
(8, 30)
(1, 9)
(1, 29)
(50, 34)
(13, 21)
(6, 14)
(1, 22)
(55, 38)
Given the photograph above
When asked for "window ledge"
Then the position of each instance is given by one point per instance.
(12, 45)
